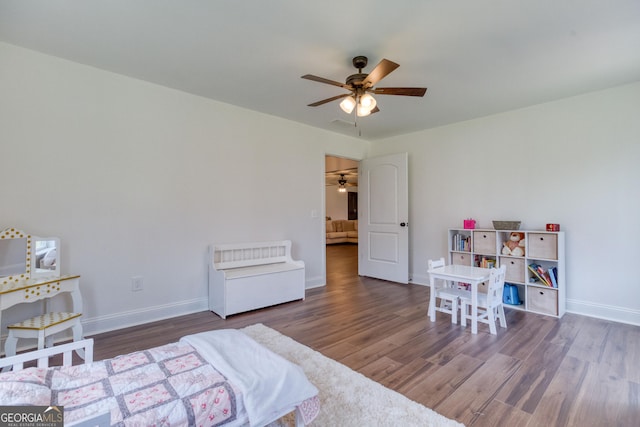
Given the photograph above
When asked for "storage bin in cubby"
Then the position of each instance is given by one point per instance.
(461, 258)
(484, 242)
(542, 245)
(542, 300)
(515, 269)
(483, 287)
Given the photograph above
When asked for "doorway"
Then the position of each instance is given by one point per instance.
(341, 212)
(381, 237)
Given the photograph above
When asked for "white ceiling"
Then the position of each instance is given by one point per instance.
(477, 57)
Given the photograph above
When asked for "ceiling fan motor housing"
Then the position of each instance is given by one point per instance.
(360, 62)
(356, 80)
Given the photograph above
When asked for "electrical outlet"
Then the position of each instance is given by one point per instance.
(136, 284)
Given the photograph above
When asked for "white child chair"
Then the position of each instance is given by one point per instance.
(449, 296)
(490, 305)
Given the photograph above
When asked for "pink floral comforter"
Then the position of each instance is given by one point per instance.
(167, 385)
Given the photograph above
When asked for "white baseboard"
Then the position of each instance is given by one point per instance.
(98, 325)
(605, 312)
(419, 279)
(314, 282)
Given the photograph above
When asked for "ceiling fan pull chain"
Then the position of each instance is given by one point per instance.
(355, 122)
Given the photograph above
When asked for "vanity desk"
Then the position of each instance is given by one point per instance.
(30, 272)
(32, 290)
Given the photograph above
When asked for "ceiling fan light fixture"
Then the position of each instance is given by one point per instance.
(341, 189)
(367, 101)
(348, 104)
(362, 111)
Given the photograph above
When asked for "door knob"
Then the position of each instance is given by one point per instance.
(402, 224)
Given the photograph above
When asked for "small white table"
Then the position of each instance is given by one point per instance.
(459, 273)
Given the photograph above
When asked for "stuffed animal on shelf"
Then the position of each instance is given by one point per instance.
(515, 245)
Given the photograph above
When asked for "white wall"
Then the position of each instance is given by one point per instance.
(575, 162)
(137, 179)
(338, 203)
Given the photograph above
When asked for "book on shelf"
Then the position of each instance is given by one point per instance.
(461, 243)
(485, 262)
(545, 275)
(540, 274)
(553, 274)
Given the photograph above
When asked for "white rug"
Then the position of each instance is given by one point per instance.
(348, 398)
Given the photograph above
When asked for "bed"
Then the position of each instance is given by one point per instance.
(220, 377)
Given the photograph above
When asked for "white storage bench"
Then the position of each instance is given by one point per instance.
(244, 277)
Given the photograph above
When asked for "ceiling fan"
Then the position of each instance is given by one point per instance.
(361, 86)
(341, 183)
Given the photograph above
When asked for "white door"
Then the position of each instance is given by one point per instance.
(383, 212)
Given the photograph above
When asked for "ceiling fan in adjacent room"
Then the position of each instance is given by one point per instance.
(345, 178)
(341, 183)
(361, 87)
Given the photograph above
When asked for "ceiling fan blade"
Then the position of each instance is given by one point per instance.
(375, 110)
(327, 81)
(405, 91)
(324, 101)
(382, 69)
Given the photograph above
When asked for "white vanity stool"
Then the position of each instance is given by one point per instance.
(43, 328)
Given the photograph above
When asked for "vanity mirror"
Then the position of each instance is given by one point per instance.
(15, 255)
(24, 257)
(45, 260)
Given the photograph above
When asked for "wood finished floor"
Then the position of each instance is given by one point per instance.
(540, 371)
